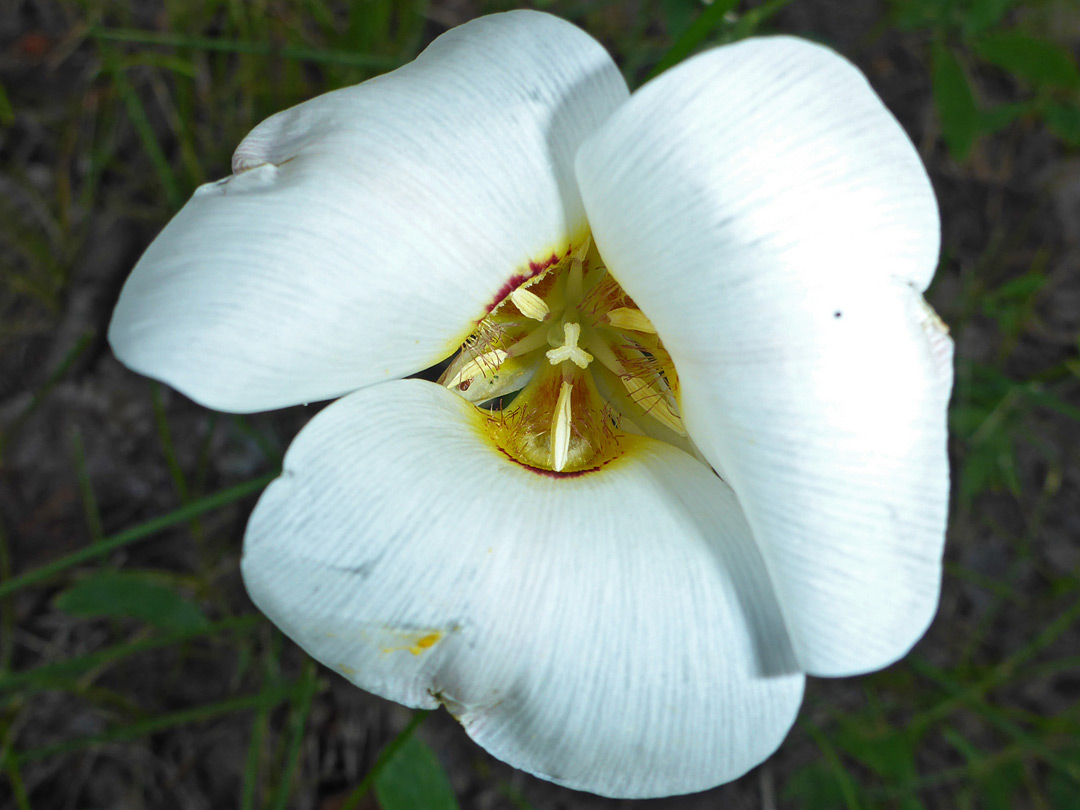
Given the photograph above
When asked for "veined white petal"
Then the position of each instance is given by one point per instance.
(614, 632)
(774, 223)
(365, 231)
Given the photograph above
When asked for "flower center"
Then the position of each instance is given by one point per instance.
(568, 369)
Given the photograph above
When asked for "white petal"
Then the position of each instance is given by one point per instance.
(365, 231)
(774, 223)
(614, 632)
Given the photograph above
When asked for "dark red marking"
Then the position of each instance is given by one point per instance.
(548, 473)
(553, 473)
(518, 279)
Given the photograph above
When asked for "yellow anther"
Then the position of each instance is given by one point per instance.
(653, 403)
(560, 429)
(570, 350)
(632, 319)
(486, 363)
(530, 304)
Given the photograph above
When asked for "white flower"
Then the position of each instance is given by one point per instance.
(569, 576)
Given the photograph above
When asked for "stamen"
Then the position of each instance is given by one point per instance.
(560, 429)
(531, 342)
(653, 403)
(574, 283)
(569, 350)
(530, 304)
(486, 363)
(632, 319)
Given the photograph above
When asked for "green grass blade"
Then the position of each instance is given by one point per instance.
(251, 761)
(137, 533)
(81, 345)
(47, 675)
(753, 18)
(7, 606)
(18, 790)
(995, 717)
(307, 686)
(161, 722)
(693, 36)
(145, 130)
(836, 767)
(168, 448)
(7, 114)
(86, 488)
(333, 57)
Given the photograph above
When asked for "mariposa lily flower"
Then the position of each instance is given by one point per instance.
(691, 443)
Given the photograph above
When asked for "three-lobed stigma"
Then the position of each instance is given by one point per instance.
(566, 368)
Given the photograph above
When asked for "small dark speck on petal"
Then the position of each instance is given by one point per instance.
(837, 314)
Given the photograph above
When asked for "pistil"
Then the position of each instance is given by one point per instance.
(569, 349)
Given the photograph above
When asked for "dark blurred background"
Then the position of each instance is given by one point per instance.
(133, 670)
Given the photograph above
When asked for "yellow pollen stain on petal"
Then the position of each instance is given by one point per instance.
(530, 304)
(560, 429)
(422, 643)
(345, 669)
(631, 319)
(570, 350)
(419, 643)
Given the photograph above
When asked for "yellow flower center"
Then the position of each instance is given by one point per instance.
(568, 369)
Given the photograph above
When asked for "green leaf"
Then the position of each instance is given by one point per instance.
(998, 783)
(1064, 121)
(813, 787)
(1012, 304)
(413, 779)
(999, 117)
(887, 751)
(1037, 61)
(955, 103)
(1062, 791)
(912, 14)
(130, 595)
(984, 14)
(678, 14)
(984, 417)
(1002, 786)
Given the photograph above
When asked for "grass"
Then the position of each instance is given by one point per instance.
(130, 111)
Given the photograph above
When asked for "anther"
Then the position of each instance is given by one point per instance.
(486, 363)
(632, 319)
(530, 304)
(560, 429)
